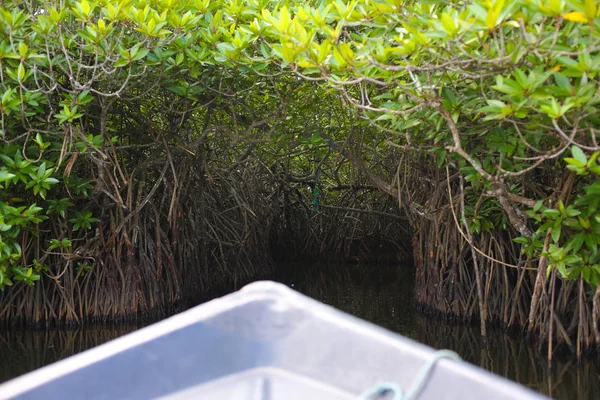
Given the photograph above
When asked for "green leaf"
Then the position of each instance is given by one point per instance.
(575, 242)
(5, 175)
(562, 268)
(521, 240)
(563, 82)
(590, 9)
(23, 49)
(448, 24)
(579, 155)
(549, 212)
(556, 230)
(574, 165)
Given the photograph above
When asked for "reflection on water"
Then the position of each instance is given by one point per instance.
(24, 350)
(382, 298)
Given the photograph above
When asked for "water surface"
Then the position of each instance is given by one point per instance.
(384, 298)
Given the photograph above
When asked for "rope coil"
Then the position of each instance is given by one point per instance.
(383, 388)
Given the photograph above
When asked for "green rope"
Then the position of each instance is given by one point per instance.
(316, 191)
(315, 201)
(382, 388)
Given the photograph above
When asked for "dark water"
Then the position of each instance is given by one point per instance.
(384, 298)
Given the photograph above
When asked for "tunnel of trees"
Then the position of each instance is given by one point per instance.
(152, 149)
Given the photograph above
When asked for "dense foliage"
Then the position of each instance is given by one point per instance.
(493, 103)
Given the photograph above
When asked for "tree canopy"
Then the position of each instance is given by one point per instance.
(501, 95)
